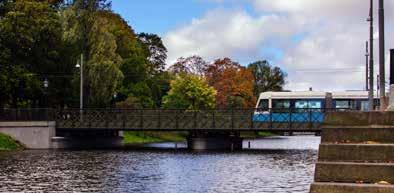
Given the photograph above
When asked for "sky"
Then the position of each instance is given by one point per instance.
(318, 43)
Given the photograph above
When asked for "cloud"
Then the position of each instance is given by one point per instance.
(224, 33)
(328, 53)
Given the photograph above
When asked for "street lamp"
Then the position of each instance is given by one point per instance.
(80, 65)
(46, 85)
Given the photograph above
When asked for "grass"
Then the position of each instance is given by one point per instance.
(8, 144)
(257, 135)
(138, 137)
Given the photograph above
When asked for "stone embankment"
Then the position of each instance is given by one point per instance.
(356, 154)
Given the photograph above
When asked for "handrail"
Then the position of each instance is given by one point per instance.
(175, 119)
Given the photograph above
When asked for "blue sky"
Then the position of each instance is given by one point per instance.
(160, 16)
(320, 44)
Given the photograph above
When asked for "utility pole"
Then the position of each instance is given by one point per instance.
(371, 61)
(382, 76)
(366, 66)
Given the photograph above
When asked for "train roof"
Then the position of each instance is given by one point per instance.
(315, 95)
(293, 95)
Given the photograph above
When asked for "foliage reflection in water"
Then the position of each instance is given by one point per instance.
(164, 171)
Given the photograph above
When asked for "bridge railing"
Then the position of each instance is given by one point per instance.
(32, 114)
(180, 119)
(175, 119)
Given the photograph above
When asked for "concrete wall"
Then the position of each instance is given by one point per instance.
(34, 135)
(359, 118)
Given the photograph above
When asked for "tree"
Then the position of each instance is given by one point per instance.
(108, 44)
(267, 78)
(31, 49)
(233, 82)
(190, 65)
(157, 51)
(190, 92)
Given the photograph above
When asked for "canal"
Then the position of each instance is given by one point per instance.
(279, 164)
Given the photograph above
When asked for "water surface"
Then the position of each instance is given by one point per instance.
(276, 165)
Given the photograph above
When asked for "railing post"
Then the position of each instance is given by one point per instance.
(290, 115)
(176, 120)
(310, 119)
(142, 119)
(123, 118)
(213, 119)
(159, 118)
(195, 118)
(107, 112)
(232, 118)
(270, 122)
(251, 120)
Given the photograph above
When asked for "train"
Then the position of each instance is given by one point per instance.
(308, 106)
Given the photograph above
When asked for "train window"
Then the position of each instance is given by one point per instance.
(346, 104)
(364, 106)
(263, 104)
(281, 104)
(301, 104)
(315, 104)
(304, 104)
(342, 104)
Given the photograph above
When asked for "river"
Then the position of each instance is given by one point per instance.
(279, 164)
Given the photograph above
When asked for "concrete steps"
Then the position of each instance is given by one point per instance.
(319, 187)
(358, 134)
(350, 172)
(382, 153)
(356, 159)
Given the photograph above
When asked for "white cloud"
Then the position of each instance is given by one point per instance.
(330, 56)
(223, 33)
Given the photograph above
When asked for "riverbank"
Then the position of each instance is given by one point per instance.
(8, 144)
(139, 137)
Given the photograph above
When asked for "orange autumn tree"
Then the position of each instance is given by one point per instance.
(233, 82)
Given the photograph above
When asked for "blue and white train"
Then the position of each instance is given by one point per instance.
(308, 106)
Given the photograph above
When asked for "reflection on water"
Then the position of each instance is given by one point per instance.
(164, 170)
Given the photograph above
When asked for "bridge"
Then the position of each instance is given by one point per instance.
(174, 119)
(212, 124)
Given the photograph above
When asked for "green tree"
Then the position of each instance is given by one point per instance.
(157, 51)
(190, 65)
(190, 92)
(31, 49)
(91, 27)
(267, 77)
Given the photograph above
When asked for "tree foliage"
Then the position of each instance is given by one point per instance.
(44, 40)
(190, 92)
(233, 82)
(190, 65)
(31, 48)
(157, 52)
(266, 77)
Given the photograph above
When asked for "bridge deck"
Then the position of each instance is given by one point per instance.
(175, 120)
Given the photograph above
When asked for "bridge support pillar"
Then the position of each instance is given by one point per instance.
(214, 141)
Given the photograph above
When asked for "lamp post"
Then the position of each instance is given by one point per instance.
(81, 89)
(80, 65)
(46, 85)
